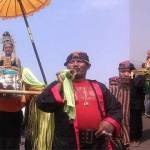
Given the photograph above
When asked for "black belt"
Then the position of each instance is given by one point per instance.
(87, 136)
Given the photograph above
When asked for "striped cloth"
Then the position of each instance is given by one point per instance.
(122, 94)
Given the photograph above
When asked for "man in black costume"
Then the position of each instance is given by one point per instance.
(97, 113)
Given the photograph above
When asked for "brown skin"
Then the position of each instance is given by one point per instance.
(8, 49)
(124, 75)
(80, 68)
(104, 126)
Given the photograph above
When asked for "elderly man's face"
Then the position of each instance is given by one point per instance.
(80, 68)
(8, 49)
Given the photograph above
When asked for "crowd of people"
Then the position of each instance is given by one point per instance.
(87, 114)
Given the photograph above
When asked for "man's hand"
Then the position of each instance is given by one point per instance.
(60, 81)
(104, 128)
(59, 78)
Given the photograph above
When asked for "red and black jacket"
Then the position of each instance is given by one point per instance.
(50, 100)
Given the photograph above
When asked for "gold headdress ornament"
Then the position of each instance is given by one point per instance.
(7, 38)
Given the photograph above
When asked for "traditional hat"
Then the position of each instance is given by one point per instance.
(126, 65)
(77, 56)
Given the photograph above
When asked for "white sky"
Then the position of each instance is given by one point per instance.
(99, 27)
(139, 30)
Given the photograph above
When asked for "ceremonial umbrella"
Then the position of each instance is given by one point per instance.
(15, 8)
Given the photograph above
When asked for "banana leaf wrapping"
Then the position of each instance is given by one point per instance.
(39, 126)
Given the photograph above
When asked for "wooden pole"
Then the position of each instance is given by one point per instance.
(22, 92)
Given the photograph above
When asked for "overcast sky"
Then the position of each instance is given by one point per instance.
(98, 27)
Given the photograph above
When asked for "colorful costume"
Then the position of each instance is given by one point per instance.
(90, 96)
(38, 124)
(122, 94)
(13, 77)
(11, 116)
(129, 92)
(121, 90)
